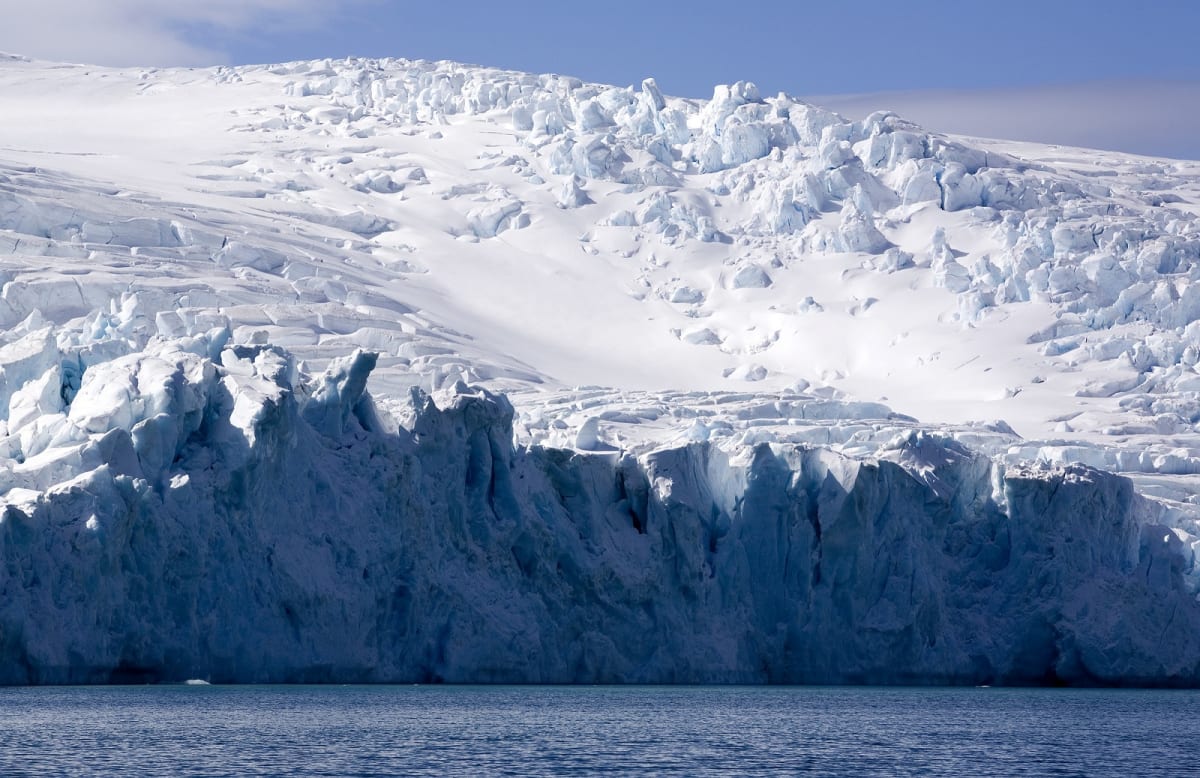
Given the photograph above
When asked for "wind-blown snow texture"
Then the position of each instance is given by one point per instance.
(718, 321)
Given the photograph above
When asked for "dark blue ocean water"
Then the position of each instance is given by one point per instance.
(446, 730)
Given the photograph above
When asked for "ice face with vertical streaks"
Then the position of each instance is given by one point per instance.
(229, 518)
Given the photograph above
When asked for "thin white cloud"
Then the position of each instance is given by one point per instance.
(145, 32)
(1157, 118)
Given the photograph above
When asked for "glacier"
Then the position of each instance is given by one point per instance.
(406, 371)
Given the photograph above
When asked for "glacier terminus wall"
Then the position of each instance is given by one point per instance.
(235, 521)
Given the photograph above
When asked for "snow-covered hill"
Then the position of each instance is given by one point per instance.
(782, 383)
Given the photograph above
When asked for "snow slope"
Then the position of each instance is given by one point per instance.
(796, 398)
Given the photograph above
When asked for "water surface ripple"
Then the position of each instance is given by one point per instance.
(439, 730)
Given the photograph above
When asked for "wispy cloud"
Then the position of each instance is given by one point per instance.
(1156, 118)
(147, 32)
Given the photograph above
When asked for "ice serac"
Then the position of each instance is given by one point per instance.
(263, 525)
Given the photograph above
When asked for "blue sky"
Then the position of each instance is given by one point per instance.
(802, 47)
(922, 51)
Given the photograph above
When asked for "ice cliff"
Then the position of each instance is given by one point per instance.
(232, 519)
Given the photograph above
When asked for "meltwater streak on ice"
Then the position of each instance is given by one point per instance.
(218, 731)
(203, 268)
